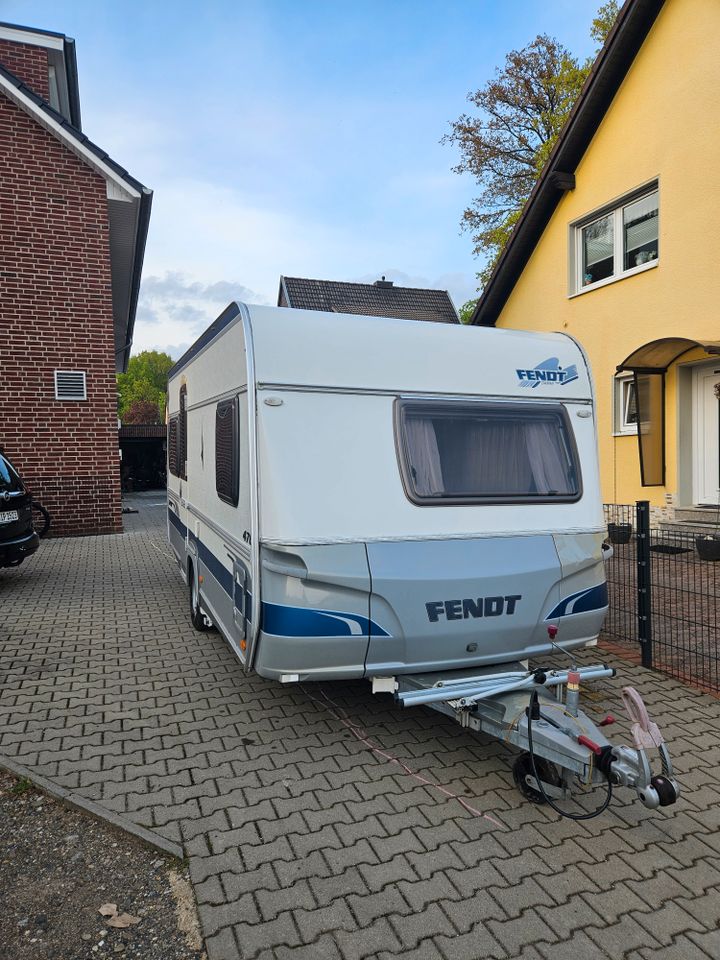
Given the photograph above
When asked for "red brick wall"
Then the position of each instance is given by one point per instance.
(56, 313)
(28, 63)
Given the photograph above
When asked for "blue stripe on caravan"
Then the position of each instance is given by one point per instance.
(223, 576)
(584, 601)
(176, 522)
(284, 621)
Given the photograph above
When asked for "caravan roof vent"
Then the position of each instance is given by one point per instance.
(70, 385)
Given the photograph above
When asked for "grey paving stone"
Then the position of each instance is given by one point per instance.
(367, 942)
(476, 943)
(223, 946)
(218, 917)
(335, 916)
(303, 842)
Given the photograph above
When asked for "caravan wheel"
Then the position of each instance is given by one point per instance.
(197, 617)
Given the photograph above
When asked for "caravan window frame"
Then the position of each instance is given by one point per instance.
(444, 407)
(231, 406)
(182, 443)
(172, 446)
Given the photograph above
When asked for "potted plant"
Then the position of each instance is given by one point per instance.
(619, 529)
(708, 546)
(619, 532)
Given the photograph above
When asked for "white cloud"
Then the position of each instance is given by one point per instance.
(209, 244)
(173, 310)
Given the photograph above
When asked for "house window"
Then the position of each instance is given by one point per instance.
(625, 403)
(70, 385)
(182, 434)
(227, 453)
(455, 452)
(617, 243)
(53, 88)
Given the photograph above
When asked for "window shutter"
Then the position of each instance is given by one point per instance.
(70, 385)
(227, 460)
(173, 446)
(182, 434)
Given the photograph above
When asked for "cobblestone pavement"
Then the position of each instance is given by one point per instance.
(302, 839)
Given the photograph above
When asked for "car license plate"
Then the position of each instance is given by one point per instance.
(7, 516)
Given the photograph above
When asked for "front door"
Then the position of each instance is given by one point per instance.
(707, 427)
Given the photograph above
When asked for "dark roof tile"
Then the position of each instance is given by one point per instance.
(368, 299)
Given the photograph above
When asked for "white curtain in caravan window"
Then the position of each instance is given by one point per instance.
(424, 457)
(484, 458)
(548, 460)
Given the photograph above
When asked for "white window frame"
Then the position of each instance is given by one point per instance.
(616, 210)
(621, 385)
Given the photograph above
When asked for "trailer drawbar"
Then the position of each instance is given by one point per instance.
(561, 744)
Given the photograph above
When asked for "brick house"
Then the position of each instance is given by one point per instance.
(73, 225)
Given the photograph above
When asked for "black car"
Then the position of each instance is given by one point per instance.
(18, 538)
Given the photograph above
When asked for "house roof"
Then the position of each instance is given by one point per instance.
(379, 299)
(624, 41)
(129, 204)
(61, 56)
(142, 431)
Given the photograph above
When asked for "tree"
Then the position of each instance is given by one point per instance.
(146, 381)
(466, 310)
(521, 112)
(142, 411)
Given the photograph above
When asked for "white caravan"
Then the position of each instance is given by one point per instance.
(414, 503)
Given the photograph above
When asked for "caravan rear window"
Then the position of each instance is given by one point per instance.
(477, 452)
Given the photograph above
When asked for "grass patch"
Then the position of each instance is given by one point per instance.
(21, 786)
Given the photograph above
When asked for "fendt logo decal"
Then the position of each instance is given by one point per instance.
(549, 371)
(479, 607)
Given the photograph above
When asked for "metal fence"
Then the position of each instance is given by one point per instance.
(664, 597)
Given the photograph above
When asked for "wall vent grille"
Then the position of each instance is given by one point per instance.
(70, 385)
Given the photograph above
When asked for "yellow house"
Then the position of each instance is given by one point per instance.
(619, 246)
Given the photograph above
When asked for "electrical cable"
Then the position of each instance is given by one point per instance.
(563, 813)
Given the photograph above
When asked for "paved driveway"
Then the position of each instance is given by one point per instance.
(325, 823)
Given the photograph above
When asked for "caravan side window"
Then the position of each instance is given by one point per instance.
(182, 434)
(173, 446)
(476, 452)
(227, 451)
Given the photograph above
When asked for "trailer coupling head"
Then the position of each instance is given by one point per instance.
(626, 767)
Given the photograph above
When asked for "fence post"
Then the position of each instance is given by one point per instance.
(644, 582)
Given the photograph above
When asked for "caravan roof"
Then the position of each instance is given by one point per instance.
(309, 348)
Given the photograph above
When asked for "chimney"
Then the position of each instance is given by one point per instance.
(383, 283)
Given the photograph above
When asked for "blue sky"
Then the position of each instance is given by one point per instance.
(298, 138)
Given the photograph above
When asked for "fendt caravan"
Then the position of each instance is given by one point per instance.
(413, 503)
